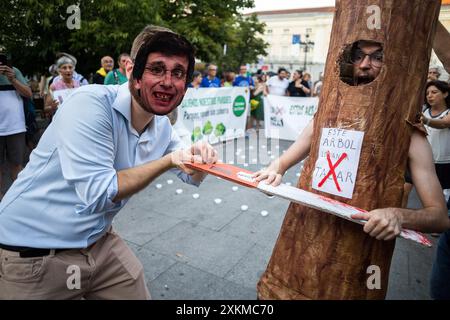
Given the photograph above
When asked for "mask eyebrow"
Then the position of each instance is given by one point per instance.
(155, 64)
(179, 66)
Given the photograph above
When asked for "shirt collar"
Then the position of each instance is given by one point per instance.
(122, 104)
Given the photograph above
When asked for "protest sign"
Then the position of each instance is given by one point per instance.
(286, 117)
(213, 114)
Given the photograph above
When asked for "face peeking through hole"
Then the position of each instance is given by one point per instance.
(367, 59)
(163, 83)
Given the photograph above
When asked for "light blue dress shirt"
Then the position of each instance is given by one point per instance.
(63, 197)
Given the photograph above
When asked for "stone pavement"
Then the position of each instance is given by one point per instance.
(197, 249)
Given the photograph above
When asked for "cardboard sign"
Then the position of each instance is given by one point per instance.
(338, 161)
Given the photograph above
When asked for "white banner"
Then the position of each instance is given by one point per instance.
(213, 114)
(286, 117)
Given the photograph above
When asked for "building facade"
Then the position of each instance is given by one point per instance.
(299, 39)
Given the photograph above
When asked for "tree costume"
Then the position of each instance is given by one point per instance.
(321, 256)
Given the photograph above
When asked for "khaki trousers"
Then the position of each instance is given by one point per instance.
(108, 269)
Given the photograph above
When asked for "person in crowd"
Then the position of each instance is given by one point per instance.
(318, 86)
(107, 64)
(243, 79)
(278, 84)
(211, 80)
(118, 76)
(76, 76)
(307, 78)
(436, 118)
(228, 79)
(13, 88)
(196, 80)
(433, 74)
(66, 80)
(298, 87)
(257, 102)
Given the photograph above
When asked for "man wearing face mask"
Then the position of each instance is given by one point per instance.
(105, 144)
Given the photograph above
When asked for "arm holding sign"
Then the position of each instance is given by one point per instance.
(385, 224)
(296, 153)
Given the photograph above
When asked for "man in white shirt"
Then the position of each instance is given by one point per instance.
(277, 85)
(13, 86)
(105, 144)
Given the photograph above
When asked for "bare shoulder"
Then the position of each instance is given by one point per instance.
(420, 156)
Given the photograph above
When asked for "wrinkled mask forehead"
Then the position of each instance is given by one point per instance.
(145, 37)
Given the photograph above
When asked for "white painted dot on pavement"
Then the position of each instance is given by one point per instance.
(169, 181)
(217, 200)
(238, 153)
(251, 147)
(179, 191)
(158, 186)
(269, 152)
(243, 157)
(230, 162)
(272, 157)
(264, 213)
(263, 146)
(235, 188)
(195, 196)
(244, 207)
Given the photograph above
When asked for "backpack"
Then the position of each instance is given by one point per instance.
(30, 120)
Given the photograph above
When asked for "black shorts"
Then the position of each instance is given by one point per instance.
(13, 147)
(443, 173)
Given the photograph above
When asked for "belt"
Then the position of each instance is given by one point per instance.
(26, 252)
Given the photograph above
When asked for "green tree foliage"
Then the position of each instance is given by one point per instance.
(33, 31)
(245, 45)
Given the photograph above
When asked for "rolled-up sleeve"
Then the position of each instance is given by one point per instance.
(175, 144)
(86, 151)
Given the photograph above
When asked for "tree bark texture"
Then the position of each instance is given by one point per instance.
(321, 256)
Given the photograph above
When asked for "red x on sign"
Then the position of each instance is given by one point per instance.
(332, 168)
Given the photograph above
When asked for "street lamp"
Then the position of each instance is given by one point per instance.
(306, 45)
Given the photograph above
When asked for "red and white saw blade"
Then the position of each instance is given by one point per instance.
(309, 199)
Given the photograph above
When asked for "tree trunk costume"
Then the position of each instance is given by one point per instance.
(321, 256)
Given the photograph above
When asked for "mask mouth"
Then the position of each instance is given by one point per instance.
(163, 96)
